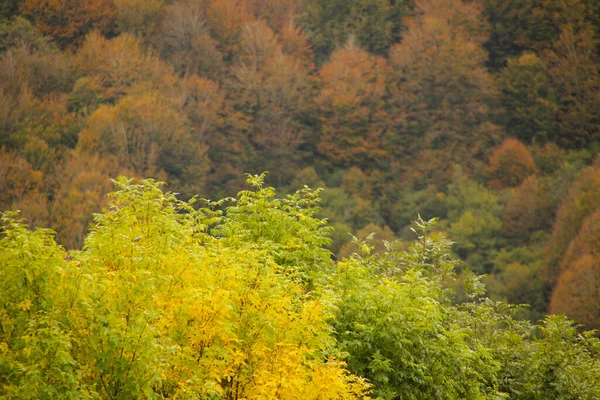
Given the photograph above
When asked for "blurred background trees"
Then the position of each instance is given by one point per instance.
(483, 113)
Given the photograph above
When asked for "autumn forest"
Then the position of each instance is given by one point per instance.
(300, 199)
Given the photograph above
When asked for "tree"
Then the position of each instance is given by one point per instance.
(22, 188)
(137, 17)
(277, 13)
(581, 201)
(375, 24)
(238, 298)
(510, 164)
(184, 40)
(518, 25)
(9, 8)
(225, 20)
(121, 65)
(475, 222)
(572, 65)
(353, 87)
(508, 22)
(149, 137)
(577, 290)
(528, 99)
(441, 94)
(273, 91)
(83, 182)
(168, 309)
(67, 22)
(376, 236)
(29, 61)
(19, 32)
(527, 211)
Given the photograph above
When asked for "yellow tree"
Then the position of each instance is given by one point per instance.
(154, 306)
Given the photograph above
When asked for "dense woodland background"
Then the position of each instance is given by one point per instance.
(483, 113)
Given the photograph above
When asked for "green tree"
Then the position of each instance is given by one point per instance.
(528, 99)
(475, 222)
(376, 24)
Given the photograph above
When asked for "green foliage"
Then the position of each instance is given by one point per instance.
(475, 222)
(36, 359)
(395, 319)
(20, 32)
(392, 319)
(286, 228)
(376, 24)
(528, 99)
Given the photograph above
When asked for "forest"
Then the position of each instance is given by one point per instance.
(478, 119)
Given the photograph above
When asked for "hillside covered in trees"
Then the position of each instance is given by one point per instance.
(482, 113)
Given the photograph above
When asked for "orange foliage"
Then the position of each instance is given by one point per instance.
(295, 43)
(258, 45)
(225, 19)
(68, 21)
(441, 93)
(577, 292)
(351, 105)
(22, 188)
(83, 184)
(583, 199)
(510, 164)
